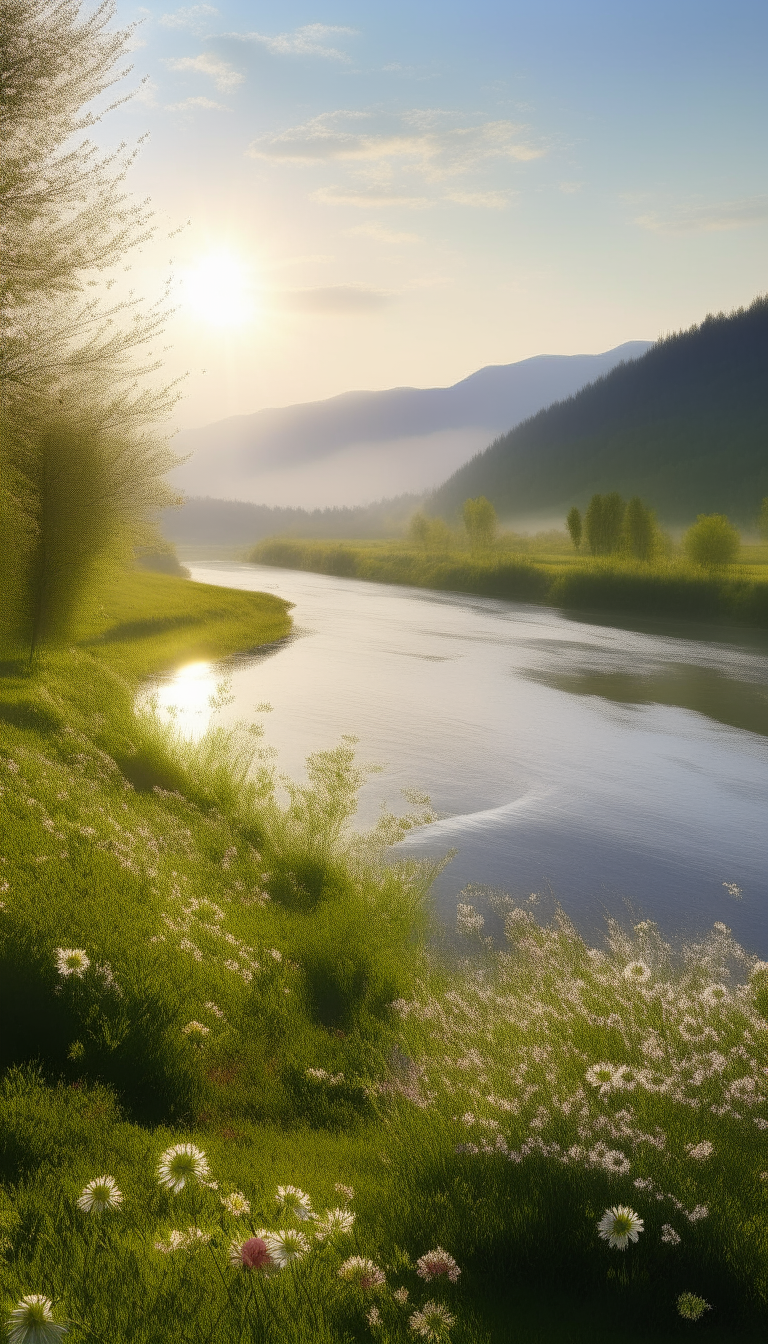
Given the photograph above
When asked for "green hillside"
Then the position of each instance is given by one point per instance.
(685, 427)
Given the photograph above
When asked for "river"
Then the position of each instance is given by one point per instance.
(613, 770)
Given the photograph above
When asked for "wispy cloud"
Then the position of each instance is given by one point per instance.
(368, 198)
(717, 218)
(309, 40)
(194, 17)
(196, 104)
(436, 153)
(222, 74)
(343, 300)
(481, 200)
(380, 234)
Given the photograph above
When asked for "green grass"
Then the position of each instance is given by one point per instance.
(337, 1044)
(670, 587)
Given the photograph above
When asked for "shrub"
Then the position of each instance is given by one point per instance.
(711, 541)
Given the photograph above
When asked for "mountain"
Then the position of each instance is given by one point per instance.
(364, 445)
(685, 426)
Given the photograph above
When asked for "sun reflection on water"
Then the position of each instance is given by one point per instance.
(187, 699)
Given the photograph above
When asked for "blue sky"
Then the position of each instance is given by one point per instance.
(402, 193)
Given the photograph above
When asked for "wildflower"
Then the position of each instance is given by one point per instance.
(363, 1273)
(637, 972)
(601, 1076)
(401, 1295)
(691, 1307)
(294, 1201)
(31, 1322)
(193, 1238)
(236, 1204)
(345, 1190)
(71, 961)
(181, 1163)
(196, 1030)
(99, 1194)
(286, 1246)
(254, 1253)
(373, 1317)
(669, 1235)
(620, 1225)
(696, 1215)
(334, 1223)
(436, 1263)
(700, 1151)
(214, 1008)
(432, 1323)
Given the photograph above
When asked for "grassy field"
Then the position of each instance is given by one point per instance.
(188, 958)
(670, 587)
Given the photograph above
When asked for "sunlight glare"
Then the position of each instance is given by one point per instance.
(186, 699)
(218, 290)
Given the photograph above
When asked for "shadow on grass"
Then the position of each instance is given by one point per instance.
(154, 625)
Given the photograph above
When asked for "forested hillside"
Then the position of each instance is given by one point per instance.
(685, 427)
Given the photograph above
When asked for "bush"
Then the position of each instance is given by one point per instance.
(712, 541)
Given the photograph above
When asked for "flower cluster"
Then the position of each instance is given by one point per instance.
(435, 1264)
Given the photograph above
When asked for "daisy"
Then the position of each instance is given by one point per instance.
(602, 1077)
(637, 972)
(436, 1263)
(345, 1190)
(334, 1223)
(181, 1163)
(254, 1253)
(236, 1204)
(71, 961)
(286, 1246)
(432, 1322)
(363, 1273)
(294, 1201)
(31, 1322)
(691, 1307)
(620, 1225)
(99, 1194)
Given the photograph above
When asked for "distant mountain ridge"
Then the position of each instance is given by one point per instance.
(362, 445)
(685, 426)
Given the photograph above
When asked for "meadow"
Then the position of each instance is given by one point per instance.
(545, 569)
(253, 1091)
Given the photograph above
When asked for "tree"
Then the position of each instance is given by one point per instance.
(574, 525)
(433, 534)
(604, 522)
(480, 520)
(639, 529)
(75, 398)
(711, 541)
(762, 519)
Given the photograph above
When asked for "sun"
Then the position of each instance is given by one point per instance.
(218, 289)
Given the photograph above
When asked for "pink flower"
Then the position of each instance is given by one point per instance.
(252, 1254)
(435, 1263)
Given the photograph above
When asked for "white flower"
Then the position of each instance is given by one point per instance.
(253, 1253)
(373, 1317)
(214, 1008)
(345, 1190)
(432, 1323)
(669, 1235)
(691, 1307)
(294, 1201)
(181, 1163)
(436, 1263)
(700, 1151)
(190, 1240)
(601, 1076)
(196, 1030)
(334, 1223)
(401, 1295)
(637, 972)
(31, 1322)
(99, 1194)
(286, 1246)
(620, 1225)
(362, 1272)
(236, 1204)
(71, 961)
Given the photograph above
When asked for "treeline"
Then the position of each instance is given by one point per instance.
(611, 526)
(228, 522)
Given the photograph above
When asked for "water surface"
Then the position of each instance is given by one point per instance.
(615, 769)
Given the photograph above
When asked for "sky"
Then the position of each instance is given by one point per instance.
(386, 195)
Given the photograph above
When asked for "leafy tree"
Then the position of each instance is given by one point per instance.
(639, 529)
(604, 523)
(480, 520)
(762, 519)
(433, 534)
(574, 524)
(73, 363)
(711, 541)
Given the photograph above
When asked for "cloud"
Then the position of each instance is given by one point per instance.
(342, 300)
(309, 40)
(571, 188)
(380, 234)
(223, 76)
(718, 218)
(369, 199)
(191, 104)
(481, 200)
(193, 17)
(436, 153)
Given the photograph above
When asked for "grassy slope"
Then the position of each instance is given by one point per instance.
(118, 840)
(738, 594)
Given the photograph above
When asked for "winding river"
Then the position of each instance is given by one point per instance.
(612, 770)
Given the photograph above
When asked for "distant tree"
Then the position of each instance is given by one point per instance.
(604, 523)
(433, 534)
(418, 529)
(593, 524)
(711, 541)
(639, 529)
(574, 524)
(480, 520)
(762, 519)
